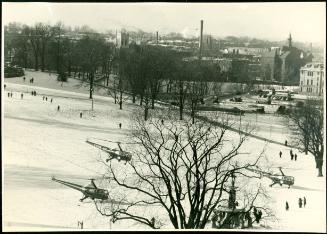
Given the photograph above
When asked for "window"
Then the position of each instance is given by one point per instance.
(311, 82)
(307, 82)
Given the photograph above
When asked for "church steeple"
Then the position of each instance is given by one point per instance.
(290, 41)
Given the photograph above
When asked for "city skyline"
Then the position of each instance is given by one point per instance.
(277, 20)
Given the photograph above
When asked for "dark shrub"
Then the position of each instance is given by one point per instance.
(62, 77)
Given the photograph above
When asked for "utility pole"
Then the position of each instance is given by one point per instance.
(157, 42)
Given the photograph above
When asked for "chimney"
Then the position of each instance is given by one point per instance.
(201, 37)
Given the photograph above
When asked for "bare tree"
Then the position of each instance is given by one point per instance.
(88, 51)
(309, 122)
(45, 33)
(34, 39)
(196, 96)
(179, 172)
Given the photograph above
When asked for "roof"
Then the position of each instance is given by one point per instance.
(285, 54)
(313, 66)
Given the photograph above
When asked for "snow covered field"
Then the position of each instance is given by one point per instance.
(40, 142)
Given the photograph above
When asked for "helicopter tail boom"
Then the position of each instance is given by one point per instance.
(71, 185)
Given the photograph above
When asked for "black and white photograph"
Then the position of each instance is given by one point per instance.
(163, 116)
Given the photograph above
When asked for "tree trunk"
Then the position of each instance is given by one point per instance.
(319, 163)
(121, 100)
(181, 107)
(69, 68)
(146, 110)
(36, 61)
(42, 60)
(91, 85)
(134, 98)
(193, 112)
(141, 100)
(181, 111)
(25, 60)
(152, 102)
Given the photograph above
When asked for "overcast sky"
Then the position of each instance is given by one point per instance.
(274, 21)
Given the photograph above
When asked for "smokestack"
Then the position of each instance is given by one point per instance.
(157, 37)
(201, 37)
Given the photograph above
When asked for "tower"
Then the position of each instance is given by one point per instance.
(290, 41)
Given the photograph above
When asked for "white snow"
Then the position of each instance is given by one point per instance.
(40, 142)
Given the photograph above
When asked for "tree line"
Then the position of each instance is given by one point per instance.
(145, 72)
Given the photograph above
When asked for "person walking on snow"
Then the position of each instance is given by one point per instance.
(287, 206)
(304, 202)
(295, 157)
(280, 154)
(300, 202)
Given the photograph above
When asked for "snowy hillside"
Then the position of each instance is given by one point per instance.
(40, 142)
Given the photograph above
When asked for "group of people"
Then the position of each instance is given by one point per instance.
(46, 98)
(293, 155)
(31, 80)
(33, 93)
(302, 202)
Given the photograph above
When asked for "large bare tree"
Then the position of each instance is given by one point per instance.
(309, 122)
(180, 171)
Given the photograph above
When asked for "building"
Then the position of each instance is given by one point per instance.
(284, 65)
(270, 66)
(247, 50)
(122, 39)
(312, 77)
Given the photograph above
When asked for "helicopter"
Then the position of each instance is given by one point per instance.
(89, 191)
(113, 153)
(276, 178)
